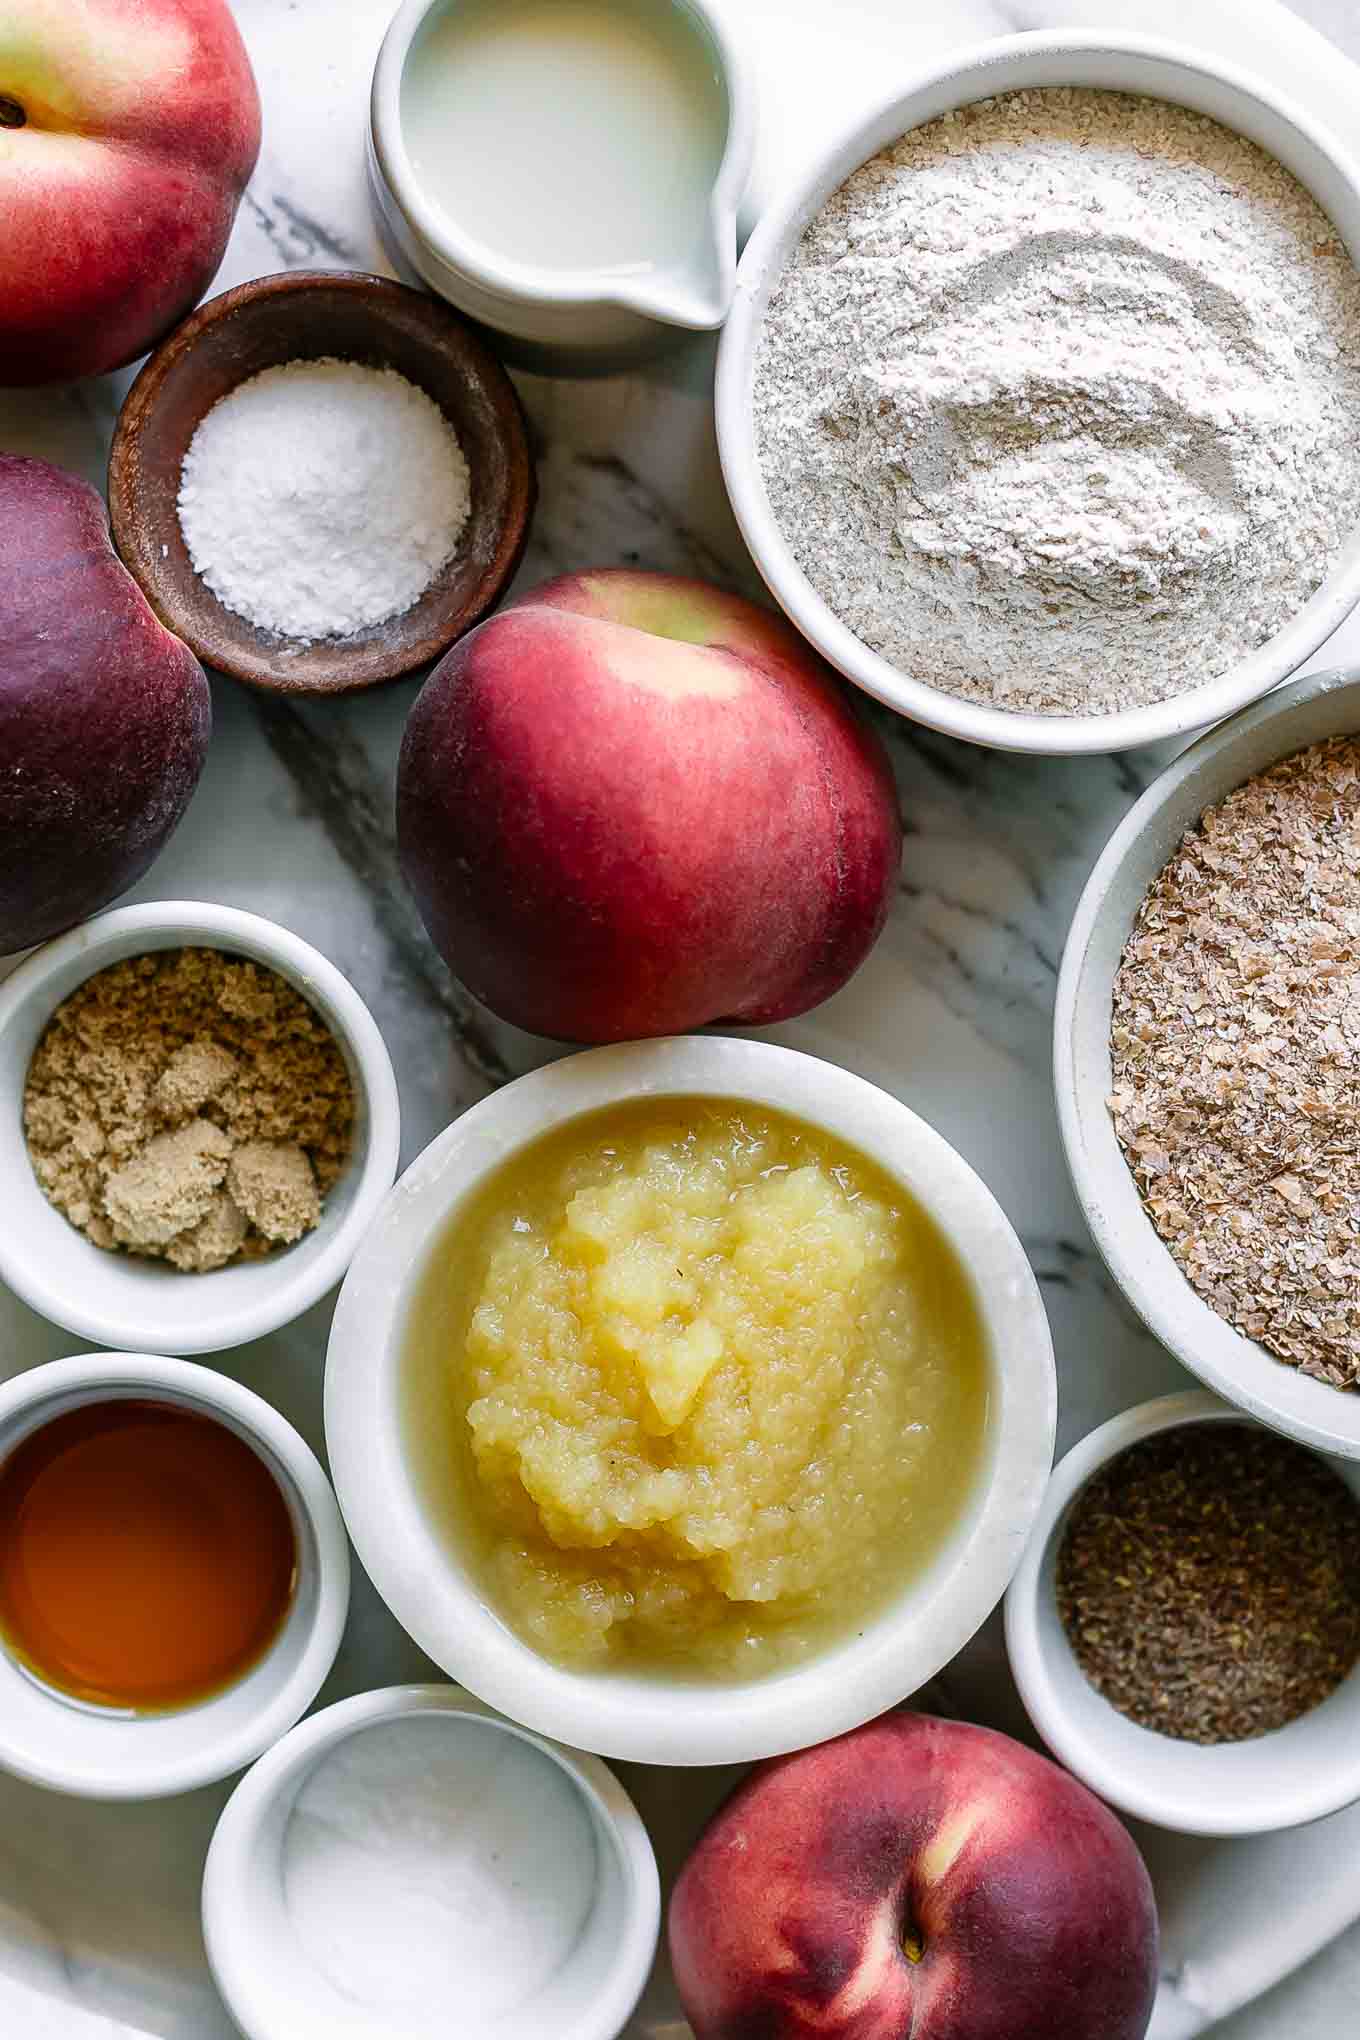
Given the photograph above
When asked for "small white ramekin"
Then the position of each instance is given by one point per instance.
(673, 1721)
(1318, 706)
(126, 1301)
(1141, 64)
(1298, 1774)
(97, 1753)
(274, 1993)
(573, 319)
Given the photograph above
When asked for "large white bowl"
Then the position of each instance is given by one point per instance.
(99, 1753)
(1321, 705)
(1125, 63)
(128, 1301)
(1299, 1773)
(669, 1721)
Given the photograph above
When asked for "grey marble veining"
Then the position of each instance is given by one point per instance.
(98, 1906)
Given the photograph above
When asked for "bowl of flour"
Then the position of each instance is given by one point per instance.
(1039, 405)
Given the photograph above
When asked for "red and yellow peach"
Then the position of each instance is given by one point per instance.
(631, 804)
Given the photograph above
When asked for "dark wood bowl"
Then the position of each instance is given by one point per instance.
(301, 315)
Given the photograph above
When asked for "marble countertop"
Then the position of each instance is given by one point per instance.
(98, 1906)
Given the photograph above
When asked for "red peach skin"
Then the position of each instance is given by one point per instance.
(128, 130)
(104, 714)
(1026, 1901)
(630, 804)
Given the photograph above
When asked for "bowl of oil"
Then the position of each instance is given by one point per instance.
(174, 1576)
(565, 171)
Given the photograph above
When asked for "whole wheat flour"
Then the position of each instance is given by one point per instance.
(1235, 1049)
(190, 1106)
(1058, 401)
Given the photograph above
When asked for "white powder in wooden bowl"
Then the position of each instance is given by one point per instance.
(321, 498)
(1057, 403)
(1235, 1046)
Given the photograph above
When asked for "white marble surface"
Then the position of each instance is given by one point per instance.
(98, 1906)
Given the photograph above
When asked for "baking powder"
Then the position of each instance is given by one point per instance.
(321, 498)
(438, 1872)
(1058, 401)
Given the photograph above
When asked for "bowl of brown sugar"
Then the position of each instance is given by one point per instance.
(1207, 1059)
(1184, 1627)
(198, 1119)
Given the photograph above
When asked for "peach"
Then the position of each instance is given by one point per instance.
(630, 804)
(917, 1877)
(104, 714)
(128, 129)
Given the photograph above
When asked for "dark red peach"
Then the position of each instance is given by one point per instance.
(915, 1880)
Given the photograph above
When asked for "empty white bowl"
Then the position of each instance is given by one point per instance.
(99, 1753)
(128, 1301)
(257, 1933)
(1124, 63)
(1320, 705)
(659, 1720)
(1298, 1773)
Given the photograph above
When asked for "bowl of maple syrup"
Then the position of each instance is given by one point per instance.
(174, 1576)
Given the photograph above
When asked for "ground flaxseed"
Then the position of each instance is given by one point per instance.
(190, 1106)
(1209, 1582)
(1235, 1053)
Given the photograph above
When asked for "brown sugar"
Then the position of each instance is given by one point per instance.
(188, 1105)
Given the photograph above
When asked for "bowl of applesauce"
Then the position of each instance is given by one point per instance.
(690, 1401)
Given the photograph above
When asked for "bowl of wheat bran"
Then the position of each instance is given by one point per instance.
(999, 404)
(1207, 1109)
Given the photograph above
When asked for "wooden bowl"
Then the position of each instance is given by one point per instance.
(302, 315)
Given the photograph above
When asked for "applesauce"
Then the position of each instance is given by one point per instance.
(695, 1387)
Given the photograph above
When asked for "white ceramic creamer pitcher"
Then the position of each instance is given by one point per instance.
(567, 172)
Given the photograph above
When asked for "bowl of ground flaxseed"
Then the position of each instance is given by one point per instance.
(1039, 399)
(1207, 1059)
(1185, 1625)
(198, 1120)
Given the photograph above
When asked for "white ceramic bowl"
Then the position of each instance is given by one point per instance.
(1298, 1774)
(130, 1302)
(1125, 63)
(1320, 705)
(669, 1721)
(549, 317)
(273, 1990)
(98, 1753)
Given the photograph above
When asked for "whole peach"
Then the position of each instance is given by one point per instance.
(104, 714)
(630, 804)
(128, 129)
(915, 1880)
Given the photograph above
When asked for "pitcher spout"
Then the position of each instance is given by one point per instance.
(695, 293)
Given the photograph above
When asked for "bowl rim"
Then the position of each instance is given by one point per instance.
(378, 292)
(147, 1374)
(535, 284)
(1128, 1787)
(660, 1720)
(279, 1297)
(982, 70)
(1129, 1245)
(279, 1774)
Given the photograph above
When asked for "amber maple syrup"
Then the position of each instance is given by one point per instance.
(147, 1555)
